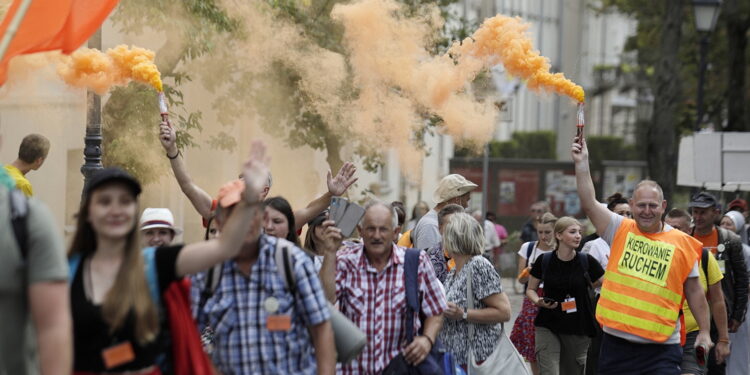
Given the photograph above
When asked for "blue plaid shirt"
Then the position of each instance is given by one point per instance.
(236, 315)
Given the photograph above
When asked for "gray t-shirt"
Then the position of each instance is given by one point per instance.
(426, 234)
(45, 261)
(609, 236)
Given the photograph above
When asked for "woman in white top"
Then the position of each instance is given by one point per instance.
(522, 335)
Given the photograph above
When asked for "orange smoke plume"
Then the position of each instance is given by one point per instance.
(503, 39)
(95, 70)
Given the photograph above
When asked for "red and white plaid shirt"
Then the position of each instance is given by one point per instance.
(376, 302)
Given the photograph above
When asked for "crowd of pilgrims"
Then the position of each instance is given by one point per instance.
(255, 298)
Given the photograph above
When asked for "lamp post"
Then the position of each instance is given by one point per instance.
(706, 13)
(92, 152)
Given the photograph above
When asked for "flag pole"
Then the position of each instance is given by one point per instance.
(10, 32)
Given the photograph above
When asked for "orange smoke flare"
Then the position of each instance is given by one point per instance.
(503, 39)
(95, 70)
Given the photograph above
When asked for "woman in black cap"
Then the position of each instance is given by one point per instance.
(115, 293)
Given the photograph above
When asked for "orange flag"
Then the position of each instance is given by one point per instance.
(53, 24)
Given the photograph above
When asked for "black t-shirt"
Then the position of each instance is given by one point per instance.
(91, 333)
(566, 279)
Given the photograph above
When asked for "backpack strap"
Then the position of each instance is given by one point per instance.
(546, 258)
(583, 259)
(284, 265)
(411, 286)
(149, 260)
(704, 262)
(73, 262)
(19, 211)
(529, 250)
(213, 277)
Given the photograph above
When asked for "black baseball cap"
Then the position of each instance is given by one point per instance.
(112, 174)
(703, 200)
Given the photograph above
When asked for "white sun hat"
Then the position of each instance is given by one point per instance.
(158, 218)
(451, 186)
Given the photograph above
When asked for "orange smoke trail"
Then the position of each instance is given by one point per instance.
(503, 39)
(92, 69)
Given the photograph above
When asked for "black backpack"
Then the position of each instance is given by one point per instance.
(529, 250)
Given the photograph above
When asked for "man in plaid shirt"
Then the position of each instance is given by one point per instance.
(252, 322)
(368, 282)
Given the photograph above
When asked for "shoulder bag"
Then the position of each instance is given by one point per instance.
(437, 362)
(348, 338)
(505, 359)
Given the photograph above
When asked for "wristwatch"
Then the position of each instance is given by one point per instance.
(466, 314)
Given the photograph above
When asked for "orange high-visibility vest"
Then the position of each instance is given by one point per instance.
(643, 292)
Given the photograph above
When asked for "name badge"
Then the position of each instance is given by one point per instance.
(271, 304)
(117, 355)
(279, 323)
(569, 305)
(722, 266)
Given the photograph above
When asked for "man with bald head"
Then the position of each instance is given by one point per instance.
(367, 281)
(652, 268)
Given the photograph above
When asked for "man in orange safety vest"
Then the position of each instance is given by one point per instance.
(652, 269)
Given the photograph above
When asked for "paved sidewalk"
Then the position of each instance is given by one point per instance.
(516, 300)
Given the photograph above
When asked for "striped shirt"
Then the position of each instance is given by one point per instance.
(236, 315)
(376, 302)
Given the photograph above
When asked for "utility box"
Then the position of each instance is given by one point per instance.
(715, 161)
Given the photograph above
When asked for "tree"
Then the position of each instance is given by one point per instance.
(737, 16)
(279, 92)
(661, 145)
(666, 43)
(192, 28)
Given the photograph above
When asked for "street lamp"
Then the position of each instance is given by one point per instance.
(706, 13)
(92, 152)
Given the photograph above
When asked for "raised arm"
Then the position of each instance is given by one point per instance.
(197, 196)
(598, 214)
(246, 216)
(50, 311)
(331, 243)
(336, 186)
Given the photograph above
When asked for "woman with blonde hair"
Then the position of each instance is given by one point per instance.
(522, 334)
(463, 239)
(114, 297)
(565, 321)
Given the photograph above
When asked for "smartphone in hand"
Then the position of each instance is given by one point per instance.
(350, 219)
(701, 355)
(336, 211)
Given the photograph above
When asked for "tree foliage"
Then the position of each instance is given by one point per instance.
(130, 115)
(667, 46)
(196, 29)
